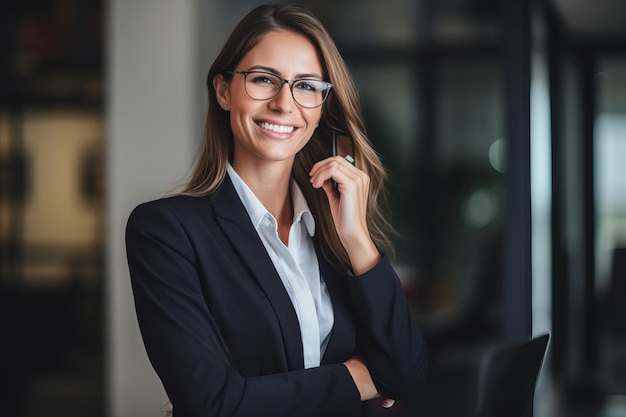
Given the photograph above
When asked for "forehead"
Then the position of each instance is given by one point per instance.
(289, 53)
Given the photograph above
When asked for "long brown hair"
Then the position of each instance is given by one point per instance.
(341, 111)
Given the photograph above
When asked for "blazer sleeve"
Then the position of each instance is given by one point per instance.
(389, 341)
(185, 347)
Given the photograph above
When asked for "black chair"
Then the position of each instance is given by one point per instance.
(617, 295)
(508, 376)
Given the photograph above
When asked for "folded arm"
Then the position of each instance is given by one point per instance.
(186, 349)
(390, 343)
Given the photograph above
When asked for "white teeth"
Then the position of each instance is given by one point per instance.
(276, 128)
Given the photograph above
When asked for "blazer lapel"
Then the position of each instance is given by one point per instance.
(342, 337)
(233, 218)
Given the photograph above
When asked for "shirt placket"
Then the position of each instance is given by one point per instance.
(303, 298)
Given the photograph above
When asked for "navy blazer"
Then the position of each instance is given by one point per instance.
(221, 332)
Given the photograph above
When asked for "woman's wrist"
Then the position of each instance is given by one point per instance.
(363, 254)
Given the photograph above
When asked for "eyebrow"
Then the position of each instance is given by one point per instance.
(277, 73)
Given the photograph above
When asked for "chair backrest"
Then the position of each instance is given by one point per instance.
(508, 376)
(617, 294)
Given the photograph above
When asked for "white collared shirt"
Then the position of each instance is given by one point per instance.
(297, 266)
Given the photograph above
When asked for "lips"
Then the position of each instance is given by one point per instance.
(276, 128)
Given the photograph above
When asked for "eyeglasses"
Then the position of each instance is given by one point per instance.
(307, 92)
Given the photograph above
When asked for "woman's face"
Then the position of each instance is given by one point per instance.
(275, 129)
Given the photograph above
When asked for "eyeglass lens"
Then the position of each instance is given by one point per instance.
(306, 92)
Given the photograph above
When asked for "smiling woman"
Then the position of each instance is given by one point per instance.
(270, 123)
(260, 289)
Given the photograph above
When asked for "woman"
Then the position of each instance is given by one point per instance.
(261, 289)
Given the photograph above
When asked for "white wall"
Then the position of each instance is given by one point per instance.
(152, 135)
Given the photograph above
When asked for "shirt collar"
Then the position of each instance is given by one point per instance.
(257, 211)
(301, 208)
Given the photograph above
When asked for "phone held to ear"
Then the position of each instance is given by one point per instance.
(333, 152)
(343, 147)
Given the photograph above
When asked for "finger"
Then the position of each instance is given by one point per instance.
(387, 402)
(350, 159)
(346, 161)
(335, 168)
(331, 192)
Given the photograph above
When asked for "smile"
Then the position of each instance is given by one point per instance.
(276, 128)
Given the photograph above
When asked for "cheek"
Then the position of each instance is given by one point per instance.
(240, 112)
(236, 125)
(313, 119)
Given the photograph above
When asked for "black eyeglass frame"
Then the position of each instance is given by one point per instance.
(325, 92)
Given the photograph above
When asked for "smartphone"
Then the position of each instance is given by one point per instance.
(333, 152)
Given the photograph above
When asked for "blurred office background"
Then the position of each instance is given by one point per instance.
(503, 126)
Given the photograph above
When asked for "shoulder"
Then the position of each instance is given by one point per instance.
(184, 206)
(186, 217)
(170, 213)
(169, 222)
(168, 206)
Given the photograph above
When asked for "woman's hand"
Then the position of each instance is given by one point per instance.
(363, 381)
(348, 205)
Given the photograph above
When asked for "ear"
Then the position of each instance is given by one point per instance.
(222, 91)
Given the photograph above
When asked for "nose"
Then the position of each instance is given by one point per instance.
(283, 101)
